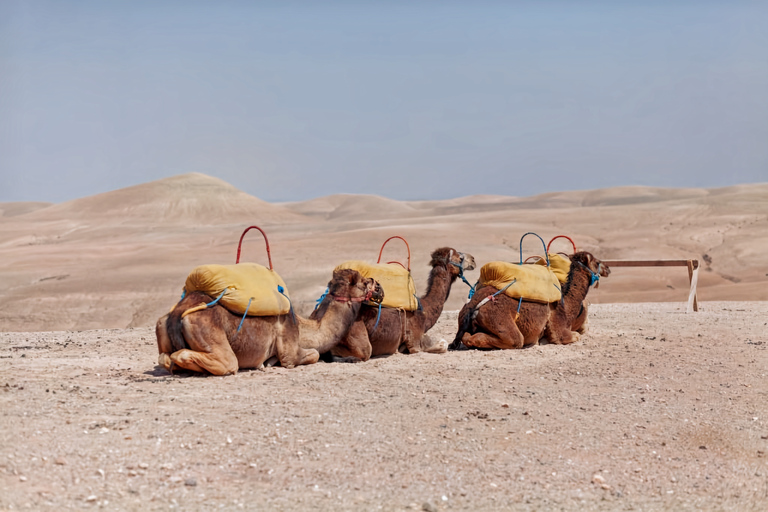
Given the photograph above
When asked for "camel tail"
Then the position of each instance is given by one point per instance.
(173, 323)
(466, 325)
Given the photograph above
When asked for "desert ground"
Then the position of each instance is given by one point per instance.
(653, 409)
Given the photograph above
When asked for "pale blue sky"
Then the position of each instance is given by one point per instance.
(410, 100)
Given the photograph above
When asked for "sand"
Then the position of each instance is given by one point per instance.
(654, 409)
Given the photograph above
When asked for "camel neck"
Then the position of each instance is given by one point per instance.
(438, 289)
(575, 291)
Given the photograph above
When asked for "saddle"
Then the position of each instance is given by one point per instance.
(537, 283)
(241, 284)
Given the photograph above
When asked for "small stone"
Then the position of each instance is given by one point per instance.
(428, 507)
(22, 478)
(505, 406)
(190, 482)
(143, 465)
(91, 498)
(598, 479)
(60, 461)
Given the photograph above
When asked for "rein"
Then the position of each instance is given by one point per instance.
(460, 266)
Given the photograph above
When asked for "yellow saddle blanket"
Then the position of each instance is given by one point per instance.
(531, 282)
(243, 282)
(559, 264)
(399, 290)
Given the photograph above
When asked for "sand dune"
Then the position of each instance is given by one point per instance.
(189, 198)
(119, 259)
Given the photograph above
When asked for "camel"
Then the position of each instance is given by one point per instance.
(397, 330)
(497, 324)
(210, 341)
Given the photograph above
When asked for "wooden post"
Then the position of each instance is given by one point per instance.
(693, 274)
(693, 279)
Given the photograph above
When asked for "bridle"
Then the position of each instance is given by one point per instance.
(594, 276)
(460, 266)
(367, 298)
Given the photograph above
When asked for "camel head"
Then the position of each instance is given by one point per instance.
(349, 285)
(594, 265)
(456, 262)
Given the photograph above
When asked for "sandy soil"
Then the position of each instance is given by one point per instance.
(653, 409)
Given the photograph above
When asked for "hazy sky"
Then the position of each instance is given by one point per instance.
(410, 100)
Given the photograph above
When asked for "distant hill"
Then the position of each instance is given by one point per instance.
(187, 198)
(20, 208)
(119, 259)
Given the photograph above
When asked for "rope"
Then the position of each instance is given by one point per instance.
(321, 299)
(460, 266)
(594, 277)
(281, 290)
(203, 306)
(378, 317)
(492, 297)
(243, 319)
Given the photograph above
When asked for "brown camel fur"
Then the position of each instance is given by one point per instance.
(493, 325)
(208, 341)
(399, 330)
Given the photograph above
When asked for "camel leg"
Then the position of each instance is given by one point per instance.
(212, 354)
(487, 340)
(355, 347)
(289, 352)
(164, 346)
(558, 330)
(215, 364)
(433, 346)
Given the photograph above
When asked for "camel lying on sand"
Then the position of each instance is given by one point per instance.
(496, 324)
(208, 340)
(398, 330)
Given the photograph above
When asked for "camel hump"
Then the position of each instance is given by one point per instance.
(559, 264)
(395, 280)
(531, 282)
(242, 284)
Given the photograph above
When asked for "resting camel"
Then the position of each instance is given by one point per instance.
(399, 330)
(495, 324)
(209, 341)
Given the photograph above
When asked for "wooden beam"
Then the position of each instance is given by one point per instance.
(693, 274)
(650, 263)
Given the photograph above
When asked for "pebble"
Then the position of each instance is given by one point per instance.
(60, 461)
(190, 482)
(428, 507)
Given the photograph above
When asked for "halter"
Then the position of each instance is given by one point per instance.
(460, 266)
(594, 276)
(367, 298)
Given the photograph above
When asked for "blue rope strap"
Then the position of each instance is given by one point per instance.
(321, 299)
(243, 319)
(520, 303)
(282, 290)
(378, 317)
(183, 294)
(217, 298)
(472, 290)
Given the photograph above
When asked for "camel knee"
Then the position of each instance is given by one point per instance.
(161, 333)
(164, 360)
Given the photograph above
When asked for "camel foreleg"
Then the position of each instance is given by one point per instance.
(164, 346)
